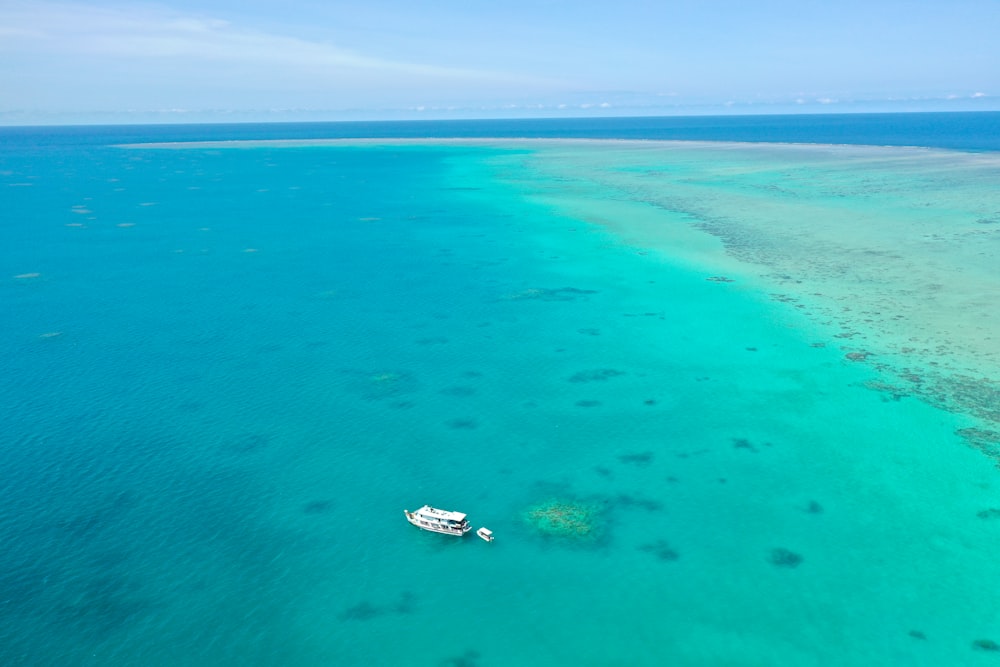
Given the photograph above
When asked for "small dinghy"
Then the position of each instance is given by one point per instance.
(485, 533)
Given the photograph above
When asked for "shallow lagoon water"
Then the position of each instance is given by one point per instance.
(289, 345)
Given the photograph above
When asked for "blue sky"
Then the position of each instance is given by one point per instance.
(186, 59)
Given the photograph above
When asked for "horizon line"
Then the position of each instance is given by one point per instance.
(178, 120)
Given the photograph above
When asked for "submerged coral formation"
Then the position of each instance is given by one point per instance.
(781, 557)
(550, 294)
(637, 458)
(985, 440)
(985, 645)
(565, 518)
(661, 549)
(596, 375)
(376, 385)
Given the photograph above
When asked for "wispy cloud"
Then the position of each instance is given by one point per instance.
(145, 34)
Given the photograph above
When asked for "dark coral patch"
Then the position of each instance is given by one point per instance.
(462, 424)
(986, 645)
(637, 458)
(985, 440)
(405, 604)
(317, 507)
(626, 500)
(890, 391)
(814, 507)
(596, 375)
(588, 404)
(551, 294)
(661, 549)
(468, 659)
(781, 557)
(381, 384)
(363, 611)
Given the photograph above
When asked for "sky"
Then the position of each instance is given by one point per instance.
(177, 60)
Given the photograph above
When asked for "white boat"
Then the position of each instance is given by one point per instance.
(485, 533)
(439, 521)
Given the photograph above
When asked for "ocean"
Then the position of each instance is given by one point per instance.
(726, 390)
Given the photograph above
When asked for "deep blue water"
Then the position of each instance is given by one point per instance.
(974, 131)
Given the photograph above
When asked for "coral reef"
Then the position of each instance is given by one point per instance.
(317, 507)
(597, 375)
(637, 458)
(566, 518)
(985, 645)
(468, 659)
(550, 294)
(381, 384)
(366, 610)
(661, 549)
(985, 440)
(626, 500)
(894, 392)
(781, 557)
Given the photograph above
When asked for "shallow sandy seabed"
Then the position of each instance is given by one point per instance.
(892, 250)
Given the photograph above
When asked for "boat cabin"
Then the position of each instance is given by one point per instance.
(439, 521)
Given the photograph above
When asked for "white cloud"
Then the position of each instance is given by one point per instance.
(147, 34)
(144, 33)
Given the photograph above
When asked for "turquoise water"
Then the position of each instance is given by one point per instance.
(229, 371)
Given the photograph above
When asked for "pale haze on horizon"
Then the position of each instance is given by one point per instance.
(178, 60)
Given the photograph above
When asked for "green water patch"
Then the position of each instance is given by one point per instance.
(891, 253)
